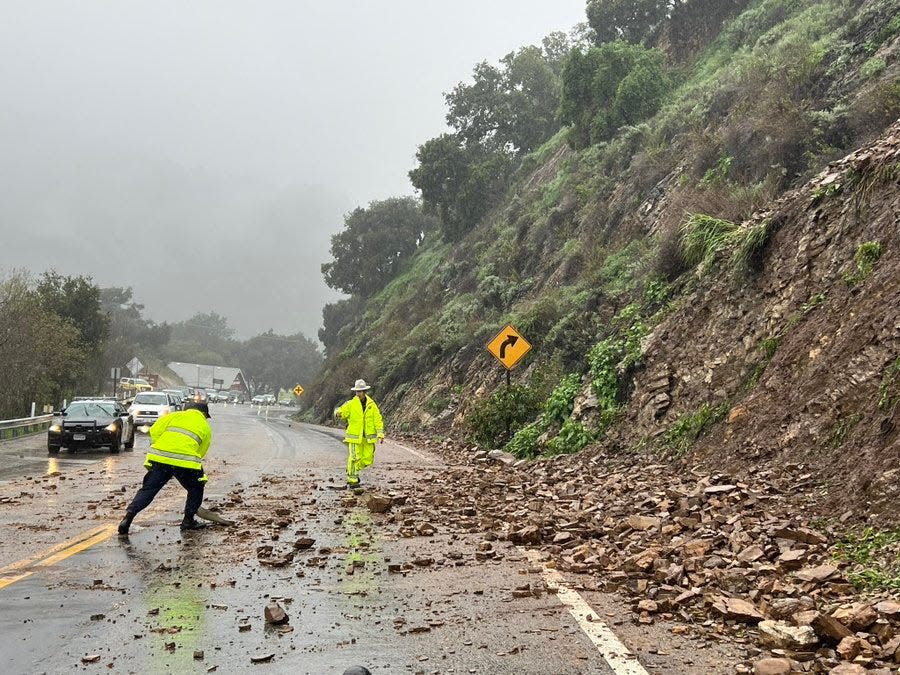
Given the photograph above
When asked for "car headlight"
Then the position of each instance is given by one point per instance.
(55, 428)
(112, 427)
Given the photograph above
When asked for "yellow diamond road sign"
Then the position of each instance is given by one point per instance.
(508, 347)
(298, 390)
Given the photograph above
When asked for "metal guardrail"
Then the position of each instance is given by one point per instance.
(23, 426)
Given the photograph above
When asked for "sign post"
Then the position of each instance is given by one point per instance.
(115, 374)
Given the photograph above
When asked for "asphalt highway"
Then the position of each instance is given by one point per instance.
(75, 596)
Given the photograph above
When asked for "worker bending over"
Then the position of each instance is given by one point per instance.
(178, 444)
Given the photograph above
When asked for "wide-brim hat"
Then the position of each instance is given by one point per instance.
(360, 386)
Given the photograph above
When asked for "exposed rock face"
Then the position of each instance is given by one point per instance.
(831, 340)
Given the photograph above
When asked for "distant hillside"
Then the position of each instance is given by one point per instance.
(690, 280)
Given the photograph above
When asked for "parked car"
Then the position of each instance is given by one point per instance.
(217, 396)
(259, 399)
(237, 397)
(132, 385)
(178, 397)
(149, 406)
(91, 423)
(269, 399)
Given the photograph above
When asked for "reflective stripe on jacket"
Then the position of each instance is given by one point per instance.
(362, 426)
(180, 439)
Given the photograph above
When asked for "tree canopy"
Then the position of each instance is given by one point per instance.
(506, 111)
(606, 87)
(629, 20)
(512, 106)
(375, 241)
(272, 362)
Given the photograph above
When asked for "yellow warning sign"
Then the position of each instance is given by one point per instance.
(508, 347)
(298, 390)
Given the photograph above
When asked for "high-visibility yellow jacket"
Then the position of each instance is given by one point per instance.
(180, 439)
(362, 426)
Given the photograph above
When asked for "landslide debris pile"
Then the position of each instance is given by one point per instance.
(726, 557)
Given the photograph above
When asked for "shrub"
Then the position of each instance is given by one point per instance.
(872, 68)
(524, 444)
(556, 412)
(561, 400)
(571, 438)
(492, 421)
(610, 359)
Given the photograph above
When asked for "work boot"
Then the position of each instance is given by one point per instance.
(126, 523)
(192, 524)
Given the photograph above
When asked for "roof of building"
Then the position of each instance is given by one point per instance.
(203, 376)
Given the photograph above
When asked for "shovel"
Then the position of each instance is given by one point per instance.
(213, 517)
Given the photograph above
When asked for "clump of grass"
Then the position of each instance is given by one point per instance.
(875, 563)
(865, 259)
(682, 435)
(841, 430)
(748, 254)
(889, 391)
(702, 237)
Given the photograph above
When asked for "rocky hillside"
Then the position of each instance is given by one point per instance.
(716, 280)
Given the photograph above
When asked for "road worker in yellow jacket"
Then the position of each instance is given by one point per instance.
(178, 444)
(364, 428)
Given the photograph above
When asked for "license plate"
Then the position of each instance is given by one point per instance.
(79, 437)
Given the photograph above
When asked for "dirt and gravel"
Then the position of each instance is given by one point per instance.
(741, 559)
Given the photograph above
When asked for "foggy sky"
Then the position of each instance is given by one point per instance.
(204, 152)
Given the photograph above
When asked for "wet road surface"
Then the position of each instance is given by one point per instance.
(162, 602)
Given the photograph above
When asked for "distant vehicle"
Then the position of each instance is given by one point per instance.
(270, 399)
(200, 396)
(286, 402)
(259, 399)
(149, 406)
(178, 396)
(92, 423)
(217, 397)
(132, 385)
(237, 397)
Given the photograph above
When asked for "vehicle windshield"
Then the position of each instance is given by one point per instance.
(151, 399)
(88, 409)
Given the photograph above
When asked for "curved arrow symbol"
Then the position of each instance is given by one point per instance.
(510, 341)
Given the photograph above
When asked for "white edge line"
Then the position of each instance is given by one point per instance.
(414, 452)
(616, 654)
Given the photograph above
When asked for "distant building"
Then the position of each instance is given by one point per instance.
(210, 377)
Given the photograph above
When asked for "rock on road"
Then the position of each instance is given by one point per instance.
(361, 583)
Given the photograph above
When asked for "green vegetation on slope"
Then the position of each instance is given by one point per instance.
(669, 139)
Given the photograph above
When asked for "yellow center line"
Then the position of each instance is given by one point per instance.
(103, 535)
(25, 568)
(11, 580)
(28, 562)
